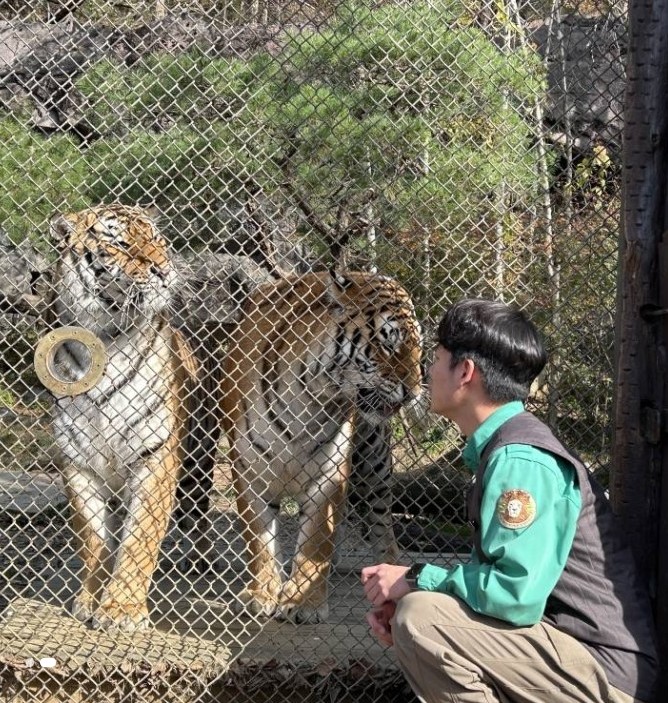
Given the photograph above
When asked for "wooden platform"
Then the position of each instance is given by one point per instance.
(199, 650)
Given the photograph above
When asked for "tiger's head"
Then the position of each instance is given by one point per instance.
(385, 342)
(114, 267)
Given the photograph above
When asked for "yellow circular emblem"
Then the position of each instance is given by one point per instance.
(516, 508)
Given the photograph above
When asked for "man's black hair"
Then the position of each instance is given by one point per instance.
(502, 342)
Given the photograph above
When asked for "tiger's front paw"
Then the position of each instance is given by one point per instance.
(126, 617)
(302, 603)
(257, 602)
(83, 608)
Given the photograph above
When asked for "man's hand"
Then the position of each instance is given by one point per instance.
(384, 582)
(379, 622)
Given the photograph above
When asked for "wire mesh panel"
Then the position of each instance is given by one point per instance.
(229, 230)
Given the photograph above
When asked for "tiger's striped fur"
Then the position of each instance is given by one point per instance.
(311, 354)
(124, 440)
(370, 491)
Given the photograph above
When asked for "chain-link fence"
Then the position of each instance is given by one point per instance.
(325, 175)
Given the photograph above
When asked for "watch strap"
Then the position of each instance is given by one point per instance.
(412, 575)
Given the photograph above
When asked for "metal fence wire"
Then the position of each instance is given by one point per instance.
(255, 207)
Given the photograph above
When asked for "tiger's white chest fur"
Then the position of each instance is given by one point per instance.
(120, 443)
(106, 430)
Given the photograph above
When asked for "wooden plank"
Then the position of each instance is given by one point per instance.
(37, 635)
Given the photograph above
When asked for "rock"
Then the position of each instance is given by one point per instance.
(20, 267)
(30, 493)
(40, 62)
(216, 285)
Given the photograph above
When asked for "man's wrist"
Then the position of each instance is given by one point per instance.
(413, 574)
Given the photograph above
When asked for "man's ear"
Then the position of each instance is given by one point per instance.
(468, 370)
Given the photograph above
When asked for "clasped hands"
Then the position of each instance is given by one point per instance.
(384, 585)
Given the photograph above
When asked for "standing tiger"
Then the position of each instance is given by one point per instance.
(125, 440)
(311, 354)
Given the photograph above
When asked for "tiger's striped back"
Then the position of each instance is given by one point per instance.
(311, 355)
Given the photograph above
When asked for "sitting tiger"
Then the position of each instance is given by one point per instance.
(125, 440)
(310, 356)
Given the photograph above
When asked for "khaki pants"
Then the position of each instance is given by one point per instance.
(450, 653)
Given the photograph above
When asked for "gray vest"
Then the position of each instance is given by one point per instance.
(598, 599)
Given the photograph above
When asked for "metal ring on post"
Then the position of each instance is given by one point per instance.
(45, 353)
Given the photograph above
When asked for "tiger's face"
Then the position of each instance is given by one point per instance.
(114, 266)
(386, 344)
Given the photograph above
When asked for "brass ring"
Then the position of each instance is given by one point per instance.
(45, 353)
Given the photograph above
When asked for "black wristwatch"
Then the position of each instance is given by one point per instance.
(412, 574)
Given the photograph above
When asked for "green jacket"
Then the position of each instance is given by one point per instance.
(527, 554)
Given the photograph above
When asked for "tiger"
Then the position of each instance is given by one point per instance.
(312, 354)
(122, 445)
(369, 494)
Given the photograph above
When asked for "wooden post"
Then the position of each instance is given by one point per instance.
(640, 447)
(662, 546)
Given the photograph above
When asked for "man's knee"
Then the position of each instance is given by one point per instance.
(416, 612)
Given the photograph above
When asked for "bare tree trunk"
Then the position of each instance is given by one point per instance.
(499, 245)
(369, 216)
(549, 238)
(426, 259)
(250, 10)
(256, 11)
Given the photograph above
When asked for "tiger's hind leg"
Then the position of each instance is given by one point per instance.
(192, 513)
(124, 604)
(196, 547)
(369, 503)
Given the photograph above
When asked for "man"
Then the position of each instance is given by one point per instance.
(549, 607)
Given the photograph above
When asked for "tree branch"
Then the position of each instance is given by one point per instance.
(58, 11)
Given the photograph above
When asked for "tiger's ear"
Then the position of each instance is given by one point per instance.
(152, 211)
(60, 229)
(338, 284)
(340, 281)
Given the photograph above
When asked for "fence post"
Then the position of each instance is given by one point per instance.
(662, 560)
(640, 448)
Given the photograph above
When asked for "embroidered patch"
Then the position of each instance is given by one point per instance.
(516, 508)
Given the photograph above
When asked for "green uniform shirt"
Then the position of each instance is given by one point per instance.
(527, 561)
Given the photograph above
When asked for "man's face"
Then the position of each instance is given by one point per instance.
(443, 383)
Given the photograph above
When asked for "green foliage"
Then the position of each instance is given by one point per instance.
(37, 175)
(403, 101)
(7, 398)
(408, 104)
(409, 114)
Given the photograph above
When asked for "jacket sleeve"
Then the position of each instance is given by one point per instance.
(525, 562)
